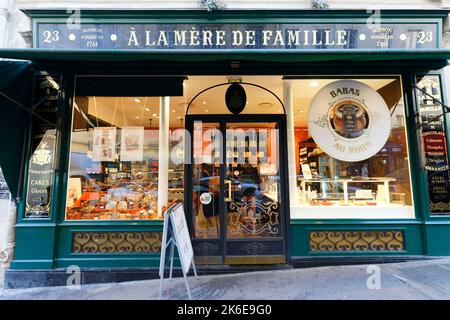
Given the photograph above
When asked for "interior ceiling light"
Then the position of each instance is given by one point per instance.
(147, 109)
(137, 100)
(314, 83)
(154, 114)
(265, 104)
(234, 79)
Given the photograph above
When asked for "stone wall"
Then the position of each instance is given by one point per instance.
(7, 218)
(233, 4)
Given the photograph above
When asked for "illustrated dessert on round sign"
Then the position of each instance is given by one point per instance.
(348, 119)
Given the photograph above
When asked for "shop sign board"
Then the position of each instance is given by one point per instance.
(434, 144)
(285, 36)
(349, 120)
(43, 147)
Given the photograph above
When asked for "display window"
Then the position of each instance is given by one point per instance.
(351, 149)
(434, 143)
(115, 159)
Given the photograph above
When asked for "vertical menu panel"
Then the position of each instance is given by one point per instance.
(42, 160)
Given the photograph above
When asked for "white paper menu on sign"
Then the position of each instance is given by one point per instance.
(175, 225)
(182, 237)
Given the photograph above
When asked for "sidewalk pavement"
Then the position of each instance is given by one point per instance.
(418, 280)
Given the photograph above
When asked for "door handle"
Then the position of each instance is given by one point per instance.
(228, 199)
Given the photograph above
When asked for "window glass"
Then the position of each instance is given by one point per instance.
(351, 149)
(43, 153)
(434, 143)
(115, 159)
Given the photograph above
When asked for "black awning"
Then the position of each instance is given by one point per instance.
(14, 91)
(138, 86)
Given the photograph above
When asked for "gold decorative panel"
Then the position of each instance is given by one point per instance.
(439, 207)
(116, 242)
(356, 241)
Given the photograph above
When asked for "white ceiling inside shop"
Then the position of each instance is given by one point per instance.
(144, 111)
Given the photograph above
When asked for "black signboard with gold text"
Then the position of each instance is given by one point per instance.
(43, 147)
(434, 144)
(219, 36)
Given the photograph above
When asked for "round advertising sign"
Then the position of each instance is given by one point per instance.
(235, 98)
(349, 120)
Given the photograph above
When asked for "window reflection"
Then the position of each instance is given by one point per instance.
(114, 159)
(382, 180)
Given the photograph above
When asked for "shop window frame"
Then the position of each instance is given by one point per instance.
(413, 161)
(427, 214)
(66, 136)
(54, 196)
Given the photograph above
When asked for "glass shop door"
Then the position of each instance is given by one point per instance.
(253, 214)
(239, 191)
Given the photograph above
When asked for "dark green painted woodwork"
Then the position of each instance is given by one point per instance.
(35, 245)
(46, 244)
(32, 256)
(65, 257)
(110, 262)
(431, 56)
(300, 235)
(437, 235)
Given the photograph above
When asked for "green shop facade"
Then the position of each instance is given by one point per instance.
(292, 139)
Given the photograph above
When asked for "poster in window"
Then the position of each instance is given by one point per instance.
(434, 144)
(73, 191)
(104, 144)
(132, 144)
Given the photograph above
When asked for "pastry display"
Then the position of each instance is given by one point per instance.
(121, 191)
(323, 192)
